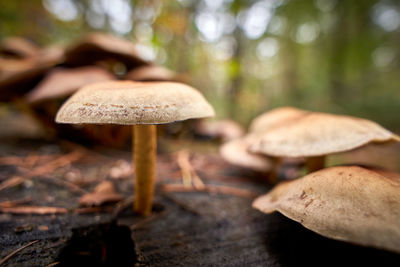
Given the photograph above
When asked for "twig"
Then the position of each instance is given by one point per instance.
(215, 189)
(72, 187)
(25, 162)
(189, 175)
(43, 169)
(41, 210)
(13, 203)
(11, 182)
(53, 264)
(57, 163)
(12, 254)
(182, 160)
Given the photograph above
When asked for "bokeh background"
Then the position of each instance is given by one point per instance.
(246, 56)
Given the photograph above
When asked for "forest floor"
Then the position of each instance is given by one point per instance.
(205, 219)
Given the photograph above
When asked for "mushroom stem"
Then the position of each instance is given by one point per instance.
(144, 149)
(276, 165)
(315, 163)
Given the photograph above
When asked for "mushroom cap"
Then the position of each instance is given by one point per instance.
(351, 203)
(17, 76)
(128, 102)
(18, 47)
(225, 130)
(317, 134)
(275, 117)
(151, 73)
(62, 82)
(235, 152)
(95, 47)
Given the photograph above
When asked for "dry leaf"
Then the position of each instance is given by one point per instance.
(102, 193)
(350, 203)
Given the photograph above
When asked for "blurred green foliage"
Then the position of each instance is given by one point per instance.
(247, 56)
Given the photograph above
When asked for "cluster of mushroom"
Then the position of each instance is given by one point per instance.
(43, 78)
(350, 203)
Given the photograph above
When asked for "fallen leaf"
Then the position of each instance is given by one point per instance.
(121, 170)
(43, 228)
(102, 193)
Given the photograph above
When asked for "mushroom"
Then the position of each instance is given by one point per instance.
(17, 76)
(274, 118)
(224, 130)
(142, 105)
(18, 47)
(46, 98)
(315, 135)
(352, 204)
(151, 73)
(62, 82)
(235, 152)
(96, 47)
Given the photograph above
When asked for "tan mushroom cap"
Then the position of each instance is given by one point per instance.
(63, 82)
(275, 117)
(235, 152)
(317, 134)
(353, 204)
(127, 102)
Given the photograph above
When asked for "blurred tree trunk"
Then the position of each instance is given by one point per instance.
(237, 78)
(338, 52)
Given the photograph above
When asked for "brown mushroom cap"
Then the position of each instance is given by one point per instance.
(127, 102)
(151, 73)
(18, 47)
(63, 82)
(317, 134)
(99, 46)
(235, 152)
(353, 204)
(19, 76)
(275, 117)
